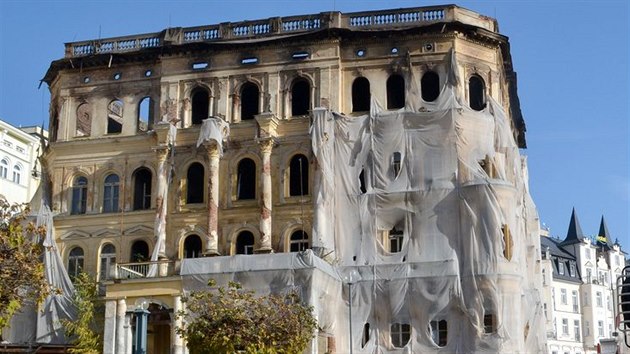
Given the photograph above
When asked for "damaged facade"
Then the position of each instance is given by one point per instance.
(371, 154)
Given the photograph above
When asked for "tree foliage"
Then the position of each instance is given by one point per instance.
(232, 319)
(85, 329)
(21, 270)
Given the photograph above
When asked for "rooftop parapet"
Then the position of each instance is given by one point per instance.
(278, 26)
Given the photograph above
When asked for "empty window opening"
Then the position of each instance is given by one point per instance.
(200, 65)
(75, 262)
(300, 55)
(117, 76)
(192, 246)
(194, 183)
(114, 117)
(111, 193)
(360, 95)
(249, 60)
(142, 189)
(298, 241)
(200, 103)
(439, 332)
(396, 163)
(17, 173)
(250, 97)
(395, 240)
(245, 243)
(488, 167)
(476, 93)
(298, 176)
(489, 323)
(362, 185)
(79, 195)
(366, 335)
(84, 120)
(360, 53)
(395, 92)
(394, 50)
(108, 260)
(139, 252)
(508, 244)
(145, 114)
(400, 334)
(246, 179)
(86, 80)
(430, 86)
(4, 168)
(300, 97)
(148, 73)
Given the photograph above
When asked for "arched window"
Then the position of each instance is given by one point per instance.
(395, 92)
(142, 189)
(194, 183)
(192, 246)
(84, 120)
(200, 105)
(400, 334)
(360, 95)
(250, 97)
(111, 193)
(299, 241)
(79, 195)
(108, 260)
(298, 176)
(477, 93)
(430, 86)
(145, 114)
(139, 252)
(300, 97)
(4, 168)
(245, 243)
(246, 179)
(17, 173)
(75, 262)
(115, 117)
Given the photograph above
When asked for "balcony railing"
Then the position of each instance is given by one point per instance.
(368, 20)
(138, 270)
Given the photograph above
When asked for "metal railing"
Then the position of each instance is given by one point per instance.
(139, 270)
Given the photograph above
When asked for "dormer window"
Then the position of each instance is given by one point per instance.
(572, 269)
(560, 267)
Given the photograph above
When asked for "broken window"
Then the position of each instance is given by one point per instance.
(298, 176)
(145, 114)
(108, 260)
(194, 183)
(111, 193)
(395, 240)
(75, 262)
(79, 195)
(298, 241)
(200, 103)
(360, 95)
(245, 243)
(430, 86)
(300, 97)
(142, 189)
(246, 179)
(489, 323)
(400, 334)
(395, 92)
(139, 251)
(476, 93)
(84, 120)
(362, 185)
(250, 99)
(192, 246)
(507, 242)
(439, 332)
(115, 117)
(366, 335)
(396, 163)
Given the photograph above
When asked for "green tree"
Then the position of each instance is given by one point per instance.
(21, 270)
(232, 319)
(86, 329)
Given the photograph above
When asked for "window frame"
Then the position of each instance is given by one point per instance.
(111, 194)
(398, 333)
(438, 332)
(76, 262)
(79, 191)
(107, 260)
(301, 244)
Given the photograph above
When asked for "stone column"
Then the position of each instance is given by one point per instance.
(266, 145)
(212, 238)
(176, 340)
(111, 323)
(121, 331)
(161, 201)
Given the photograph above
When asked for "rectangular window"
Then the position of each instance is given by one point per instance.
(598, 299)
(574, 296)
(489, 323)
(565, 326)
(572, 269)
(560, 268)
(563, 296)
(576, 330)
(401, 333)
(600, 328)
(439, 332)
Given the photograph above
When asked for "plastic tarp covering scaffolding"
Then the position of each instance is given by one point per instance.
(452, 182)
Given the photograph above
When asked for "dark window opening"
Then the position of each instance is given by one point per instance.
(245, 243)
(145, 114)
(111, 193)
(200, 65)
(476, 93)
(489, 323)
(192, 246)
(439, 332)
(366, 335)
(200, 103)
(430, 86)
(400, 334)
(249, 60)
(250, 97)
(298, 176)
(298, 241)
(194, 183)
(362, 185)
(300, 97)
(395, 92)
(115, 117)
(139, 252)
(79, 195)
(395, 240)
(75, 262)
(142, 189)
(396, 163)
(360, 95)
(84, 120)
(300, 55)
(246, 179)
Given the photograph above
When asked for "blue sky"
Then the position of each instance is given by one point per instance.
(571, 57)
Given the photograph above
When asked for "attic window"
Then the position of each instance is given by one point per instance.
(86, 79)
(396, 163)
(394, 50)
(249, 60)
(560, 267)
(300, 55)
(361, 53)
(199, 65)
(117, 76)
(148, 73)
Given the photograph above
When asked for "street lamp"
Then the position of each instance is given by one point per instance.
(141, 314)
(350, 278)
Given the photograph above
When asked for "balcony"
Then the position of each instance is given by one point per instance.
(140, 270)
(363, 21)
